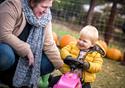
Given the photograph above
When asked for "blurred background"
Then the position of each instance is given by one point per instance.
(107, 15)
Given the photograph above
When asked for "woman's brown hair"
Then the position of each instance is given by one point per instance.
(37, 1)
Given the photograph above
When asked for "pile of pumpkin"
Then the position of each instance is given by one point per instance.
(111, 53)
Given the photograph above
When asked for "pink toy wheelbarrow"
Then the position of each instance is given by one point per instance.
(71, 79)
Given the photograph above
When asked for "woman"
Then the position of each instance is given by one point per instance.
(26, 32)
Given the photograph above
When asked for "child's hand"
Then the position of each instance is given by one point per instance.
(86, 65)
(69, 57)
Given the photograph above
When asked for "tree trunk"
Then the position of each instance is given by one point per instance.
(110, 23)
(90, 13)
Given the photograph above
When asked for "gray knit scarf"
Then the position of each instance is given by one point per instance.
(26, 75)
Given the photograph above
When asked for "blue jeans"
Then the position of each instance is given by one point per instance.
(9, 60)
(7, 57)
(46, 65)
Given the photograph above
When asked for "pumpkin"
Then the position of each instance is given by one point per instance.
(114, 54)
(66, 39)
(102, 44)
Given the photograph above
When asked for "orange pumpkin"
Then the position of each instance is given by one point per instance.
(66, 39)
(114, 54)
(55, 37)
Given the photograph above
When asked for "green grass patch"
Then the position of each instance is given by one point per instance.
(63, 30)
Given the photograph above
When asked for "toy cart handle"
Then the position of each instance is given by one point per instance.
(74, 63)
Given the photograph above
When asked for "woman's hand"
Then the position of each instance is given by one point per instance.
(30, 58)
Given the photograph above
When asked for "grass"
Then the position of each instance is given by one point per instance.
(63, 30)
(112, 74)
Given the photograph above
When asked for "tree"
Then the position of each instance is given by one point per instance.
(90, 13)
(110, 22)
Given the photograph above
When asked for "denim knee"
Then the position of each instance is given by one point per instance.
(7, 56)
(46, 65)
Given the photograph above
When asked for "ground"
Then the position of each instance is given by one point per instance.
(111, 76)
